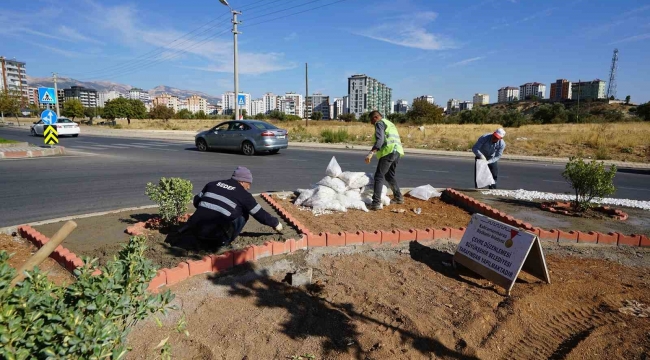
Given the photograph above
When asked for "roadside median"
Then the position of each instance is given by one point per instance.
(26, 151)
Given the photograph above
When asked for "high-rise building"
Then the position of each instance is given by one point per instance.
(288, 106)
(13, 77)
(196, 103)
(168, 100)
(481, 99)
(105, 96)
(528, 90)
(318, 102)
(368, 94)
(228, 101)
(401, 107)
(453, 106)
(560, 90)
(428, 98)
(32, 96)
(87, 97)
(182, 105)
(465, 105)
(270, 102)
(299, 106)
(257, 107)
(592, 90)
(139, 94)
(346, 104)
(508, 94)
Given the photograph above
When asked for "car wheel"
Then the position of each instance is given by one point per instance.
(247, 148)
(75, 135)
(201, 145)
(33, 132)
(274, 151)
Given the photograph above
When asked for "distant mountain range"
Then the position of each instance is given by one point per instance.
(64, 83)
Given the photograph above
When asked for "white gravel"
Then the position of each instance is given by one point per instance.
(522, 194)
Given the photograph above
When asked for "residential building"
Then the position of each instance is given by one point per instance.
(228, 101)
(346, 104)
(528, 90)
(592, 90)
(368, 94)
(196, 103)
(481, 99)
(182, 105)
(213, 109)
(453, 106)
(270, 102)
(318, 102)
(299, 105)
(139, 94)
(428, 98)
(288, 106)
(560, 90)
(257, 107)
(32, 96)
(13, 77)
(87, 97)
(508, 94)
(105, 96)
(465, 105)
(168, 100)
(401, 107)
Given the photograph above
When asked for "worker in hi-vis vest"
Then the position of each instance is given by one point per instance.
(388, 149)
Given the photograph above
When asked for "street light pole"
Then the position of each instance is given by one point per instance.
(236, 55)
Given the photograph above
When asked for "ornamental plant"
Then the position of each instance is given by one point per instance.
(172, 196)
(589, 180)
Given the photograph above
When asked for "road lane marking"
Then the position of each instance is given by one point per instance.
(437, 171)
(149, 144)
(162, 149)
(135, 146)
(298, 160)
(631, 188)
(85, 147)
(87, 142)
(114, 147)
(555, 181)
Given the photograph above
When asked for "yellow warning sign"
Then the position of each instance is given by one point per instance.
(51, 135)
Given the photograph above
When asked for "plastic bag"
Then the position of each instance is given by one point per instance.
(424, 192)
(322, 195)
(367, 196)
(354, 180)
(333, 169)
(335, 184)
(483, 175)
(304, 195)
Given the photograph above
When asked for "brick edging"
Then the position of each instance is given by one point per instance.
(553, 235)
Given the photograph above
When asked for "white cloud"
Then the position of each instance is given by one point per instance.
(466, 61)
(409, 31)
(73, 35)
(291, 37)
(66, 53)
(250, 64)
(632, 39)
(546, 12)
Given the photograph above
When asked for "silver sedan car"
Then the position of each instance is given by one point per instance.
(247, 136)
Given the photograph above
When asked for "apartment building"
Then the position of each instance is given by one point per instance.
(588, 90)
(182, 105)
(105, 96)
(561, 90)
(168, 100)
(288, 106)
(139, 94)
(481, 99)
(465, 105)
(453, 106)
(299, 106)
(428, 98)
(196, 103)
(87, 97)
(368, 94)
(257, 107)
(318, 102)
(32, 96)
(508, 94)
(528, 90)
(401, 107)
(270, 102)
(13, 77)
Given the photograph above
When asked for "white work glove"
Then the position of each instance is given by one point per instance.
(483, 157)
(369, 157)
(279, 227)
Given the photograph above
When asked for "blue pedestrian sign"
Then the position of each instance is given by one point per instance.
(241, 100)
(49, 117)
(46, 95)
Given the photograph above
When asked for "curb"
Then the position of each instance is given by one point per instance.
(27, 152)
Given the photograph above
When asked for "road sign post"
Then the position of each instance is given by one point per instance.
(50, 133)
(241, 102)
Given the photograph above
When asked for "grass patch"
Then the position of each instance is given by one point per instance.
(5, 141)
(338, 136)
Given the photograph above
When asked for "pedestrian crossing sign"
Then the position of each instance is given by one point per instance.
(241, 100)
(46, 95)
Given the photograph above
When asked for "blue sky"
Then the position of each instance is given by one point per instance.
(441, 48)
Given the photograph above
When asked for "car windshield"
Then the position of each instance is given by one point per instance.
(264, 126)
(65, 121)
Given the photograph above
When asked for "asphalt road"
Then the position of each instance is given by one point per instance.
(106, 173)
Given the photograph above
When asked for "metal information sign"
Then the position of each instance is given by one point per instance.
(46, 95)
(498, 252)
(51, 135)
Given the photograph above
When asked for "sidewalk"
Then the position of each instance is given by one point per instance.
(188, 136)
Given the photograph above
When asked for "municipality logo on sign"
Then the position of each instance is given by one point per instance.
(46, 95)
(241, 99)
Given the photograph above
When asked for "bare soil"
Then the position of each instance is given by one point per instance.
(529, 211)
(22, 250)
(435, 214)
(102, 237)
(408, 303)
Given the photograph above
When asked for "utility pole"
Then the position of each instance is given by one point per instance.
(236, 55)
(56, 95)
(306, 95)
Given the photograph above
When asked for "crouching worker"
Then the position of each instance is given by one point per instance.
(489, 147)
(223, 208)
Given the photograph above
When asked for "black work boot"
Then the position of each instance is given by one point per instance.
(398, 200)
(374, 207)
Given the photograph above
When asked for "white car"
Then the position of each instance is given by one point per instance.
(64, 126)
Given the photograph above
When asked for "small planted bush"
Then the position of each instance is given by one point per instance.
(589, 180)
(172, 196)
(88, 319)
(338, 136)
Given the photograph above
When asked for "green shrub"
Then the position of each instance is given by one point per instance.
(88, 319)
(339, 136)
(589, 180)
(172, 196)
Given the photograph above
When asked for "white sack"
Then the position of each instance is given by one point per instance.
(367, 196)
(424, 192)
(354, 180)
(483, 175)
(322, 195)
(304, 195)
(335, 184)
(333, 169)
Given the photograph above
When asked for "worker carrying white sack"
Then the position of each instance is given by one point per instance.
(488, 150)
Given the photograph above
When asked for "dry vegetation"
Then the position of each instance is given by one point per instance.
(626, 141)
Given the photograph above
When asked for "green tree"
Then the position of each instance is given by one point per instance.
(627, 100)
(260, 116)
(643, 111)
(513, 118)
(589, 180)
(316, 115)
(200, 115)
(348, 117)
(73, 108)
(161, 112)
(91, 113)
(423, 112)
(277, 115)
(9, 103)
(137, 110)
(184, 114)
(550, 114)
(34, 109)
(365, 117)
(117, 109)
(397, 118)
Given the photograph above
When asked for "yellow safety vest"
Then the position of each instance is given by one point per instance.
(392, 141)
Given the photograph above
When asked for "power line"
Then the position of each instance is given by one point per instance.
(296, 13)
